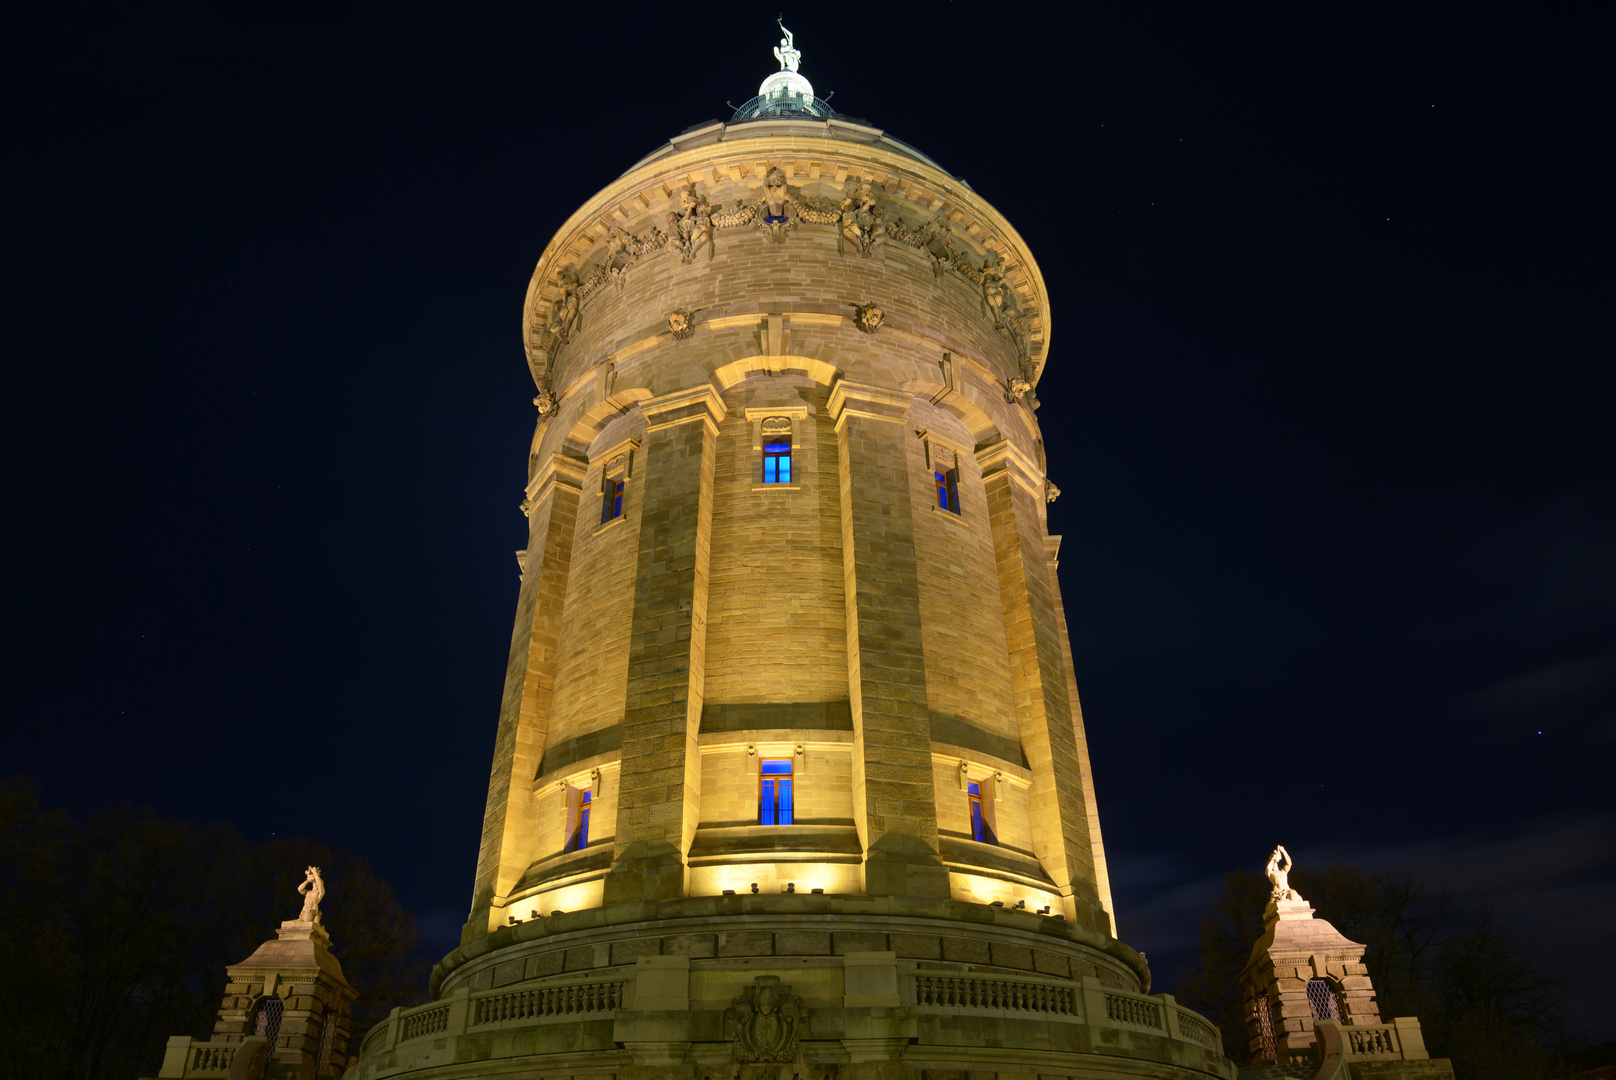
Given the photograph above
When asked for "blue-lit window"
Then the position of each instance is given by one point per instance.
(948, 490)
(580, 834)
(981, 827)
(777, 462)
(774, 792)
(611, 502)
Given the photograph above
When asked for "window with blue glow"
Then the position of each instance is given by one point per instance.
(580, 833)
(981, 827)
(611, 503)
(948, 490)
(774, 792)
(777, 462)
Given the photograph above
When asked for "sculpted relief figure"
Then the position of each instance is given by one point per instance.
(775, 210)
(861, 221)
(1280, 876)
(936, 242)
(690, 225)
(567, 313)
(997, 301)
(313, 891)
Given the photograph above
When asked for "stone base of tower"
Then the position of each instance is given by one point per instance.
(777, 987)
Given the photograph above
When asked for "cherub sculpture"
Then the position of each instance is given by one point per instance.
(1280, 876)
(312, 891)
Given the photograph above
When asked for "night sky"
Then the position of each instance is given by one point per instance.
(1329, 398)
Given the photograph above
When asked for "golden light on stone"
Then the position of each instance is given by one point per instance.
(790, 737)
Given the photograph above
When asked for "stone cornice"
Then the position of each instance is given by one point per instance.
(812, 158)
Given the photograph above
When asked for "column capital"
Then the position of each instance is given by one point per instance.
(682, 406)
(1006, 458)
(557, 470)
(849, 398)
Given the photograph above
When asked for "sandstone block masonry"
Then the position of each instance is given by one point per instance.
(789, 776)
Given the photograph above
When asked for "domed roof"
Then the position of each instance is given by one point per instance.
(787, 96)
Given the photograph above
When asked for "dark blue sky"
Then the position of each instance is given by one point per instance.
(1329, 400)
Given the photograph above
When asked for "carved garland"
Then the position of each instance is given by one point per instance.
(693, 221)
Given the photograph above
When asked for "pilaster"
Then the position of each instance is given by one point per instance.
(1102, 874)
(1058, 811)
(660, 798)
(508, 821)
(894, 804)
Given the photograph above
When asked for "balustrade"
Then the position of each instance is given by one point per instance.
(545, 1001)
(431, 1021)
(1370, 1041)
(974, 992)
(210, 1057)
(1128, 1009)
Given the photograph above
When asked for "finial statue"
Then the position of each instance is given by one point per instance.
(312, 891)
(786, 52)
(1280, 876)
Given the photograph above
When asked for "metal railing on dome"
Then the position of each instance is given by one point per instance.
(786, 104)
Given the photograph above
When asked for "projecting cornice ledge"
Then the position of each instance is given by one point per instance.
(682, 406)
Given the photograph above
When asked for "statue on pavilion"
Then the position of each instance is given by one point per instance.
(312, 891)
(1280, 876)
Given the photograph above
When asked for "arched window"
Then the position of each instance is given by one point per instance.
(1323, 1000)
(1265, 1029)
(270, 1011)
(328, 1032)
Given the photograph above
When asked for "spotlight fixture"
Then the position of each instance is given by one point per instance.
(818, 892)
(1021, 905)
(791, 886)
(997, 903)
(729, 892)
(754, 886)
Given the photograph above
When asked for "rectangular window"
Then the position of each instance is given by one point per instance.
(580, 834)
(948, 490)
(777, 462)
(774, 792)
(981, 829)
(611, 502)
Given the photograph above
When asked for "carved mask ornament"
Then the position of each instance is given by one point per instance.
(868, 317)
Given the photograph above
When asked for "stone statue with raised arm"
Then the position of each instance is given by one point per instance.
(1280, 876)
(786, 52)
(312, 891)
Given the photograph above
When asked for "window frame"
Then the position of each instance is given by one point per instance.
(772, 456)
(947, 483)
(611, 497)
(979, 815)
(789, 775)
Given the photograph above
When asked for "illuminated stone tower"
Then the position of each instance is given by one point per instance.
(790, 776)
